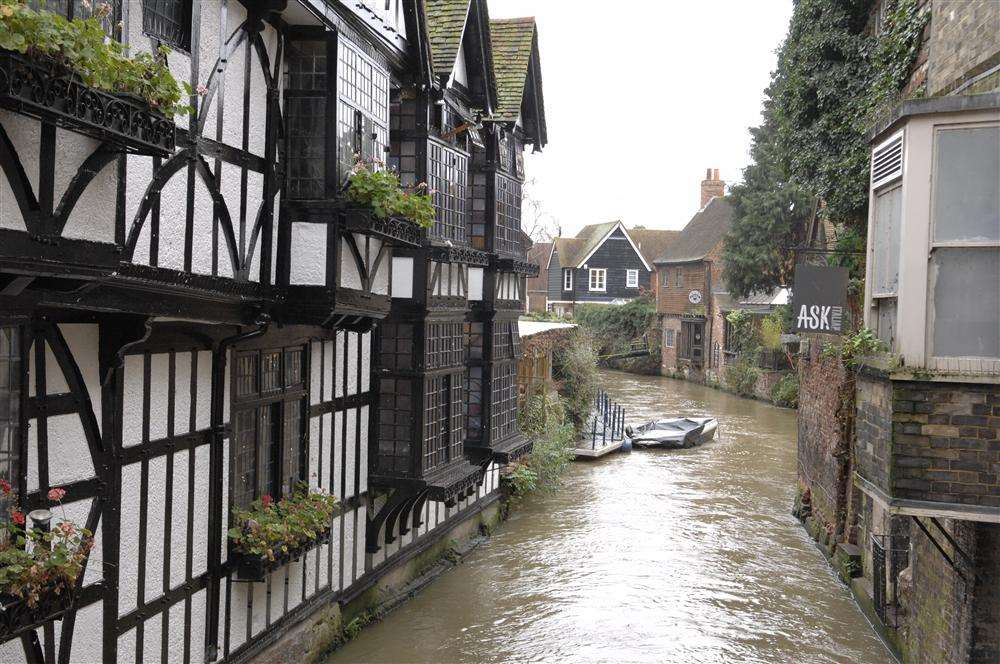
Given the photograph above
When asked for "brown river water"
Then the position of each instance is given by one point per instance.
(683, 556)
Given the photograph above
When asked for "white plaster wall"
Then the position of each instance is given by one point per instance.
(93, 216)
(475, 283)
(350, 277)
(402, 277)
(24, 134)
(308, 259)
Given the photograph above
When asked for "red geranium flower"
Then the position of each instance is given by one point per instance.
(267, 500)
(18, 518)
(55, 495)
(5, 486)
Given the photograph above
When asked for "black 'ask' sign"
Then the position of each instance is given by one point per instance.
(820, 298)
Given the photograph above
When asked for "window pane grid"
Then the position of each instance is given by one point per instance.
(169, 21)
(503, 422)
(305, 120)
(508, 219)
(444, 345)
(447, 178)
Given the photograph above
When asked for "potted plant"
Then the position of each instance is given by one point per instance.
(271, 532)
(378, 190)
(39, 565)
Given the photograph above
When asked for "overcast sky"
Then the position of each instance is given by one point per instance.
(641, 96)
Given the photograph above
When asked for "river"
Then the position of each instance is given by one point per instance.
(682, 556)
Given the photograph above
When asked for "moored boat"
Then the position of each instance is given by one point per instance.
(675, 433)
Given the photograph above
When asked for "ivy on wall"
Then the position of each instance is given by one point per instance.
(832, 80)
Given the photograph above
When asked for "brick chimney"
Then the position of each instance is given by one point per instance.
(711, 186)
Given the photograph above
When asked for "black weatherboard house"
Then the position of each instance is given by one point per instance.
(604, 264)
(193, 317)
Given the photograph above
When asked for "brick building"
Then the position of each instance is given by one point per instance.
(911, 479)
(537, 286)
(688, 277)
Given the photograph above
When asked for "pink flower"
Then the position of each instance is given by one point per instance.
(202, 89)
(57, 494)
(67, 528)
(267, 500)
(18, 518)
(5, 486)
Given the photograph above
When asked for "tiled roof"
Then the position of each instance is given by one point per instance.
(652, 242)
(445, 25)
(705, 230)
(539, 253)
(513, 39)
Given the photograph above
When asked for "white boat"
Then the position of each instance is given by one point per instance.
(675, 433)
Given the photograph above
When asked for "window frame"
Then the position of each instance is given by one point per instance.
(959, 362)
(631, 278)
(186, 17)
(257, 403)
(567, 279)
(602, 274)
(669, 337)
(18, 423)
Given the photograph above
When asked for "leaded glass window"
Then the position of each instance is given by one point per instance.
(305, 119)
(396, 412)
(168, 21)
(362, 108)
(269, 423)
(448, 170)
(507, 237)
(10, 409)
(504, 411)
(443, 345)
(443, 419)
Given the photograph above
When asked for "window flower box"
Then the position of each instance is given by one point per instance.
(270, 533)
(42, 89)
(393, 229)
(253, 567)
(17, 617)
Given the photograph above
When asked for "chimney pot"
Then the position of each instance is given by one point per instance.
(712, 186)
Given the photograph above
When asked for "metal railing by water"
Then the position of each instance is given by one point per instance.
(607, 422)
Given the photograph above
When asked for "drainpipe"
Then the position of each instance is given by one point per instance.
(215, 513)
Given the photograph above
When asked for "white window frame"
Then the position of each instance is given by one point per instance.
(631, 278)
(567, 278)
(668, 334)
(602, 280)
(958, 363)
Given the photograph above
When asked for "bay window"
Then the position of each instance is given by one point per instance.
(447, 176)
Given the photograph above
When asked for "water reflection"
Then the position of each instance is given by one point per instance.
(659, 556)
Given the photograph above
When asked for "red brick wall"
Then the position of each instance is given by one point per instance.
(673, 300)
(823, 462)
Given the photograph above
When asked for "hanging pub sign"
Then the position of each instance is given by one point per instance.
(820, 298)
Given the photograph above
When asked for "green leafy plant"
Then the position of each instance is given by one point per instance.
(543, 418)
(855, 348)
(34, 563)
(377, 188)
(742, 376)
(612, 328)
(81, 46)
(574, 367)
(271, 528)
(786, 391)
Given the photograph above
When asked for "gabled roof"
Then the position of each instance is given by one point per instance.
(539, 252)
(518, 73)
(575, 251)
(653, 242)
(445, 26)
(705, 230)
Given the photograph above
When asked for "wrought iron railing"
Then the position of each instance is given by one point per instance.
(54, 94)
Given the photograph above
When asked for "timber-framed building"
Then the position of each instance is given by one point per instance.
(192, 315)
